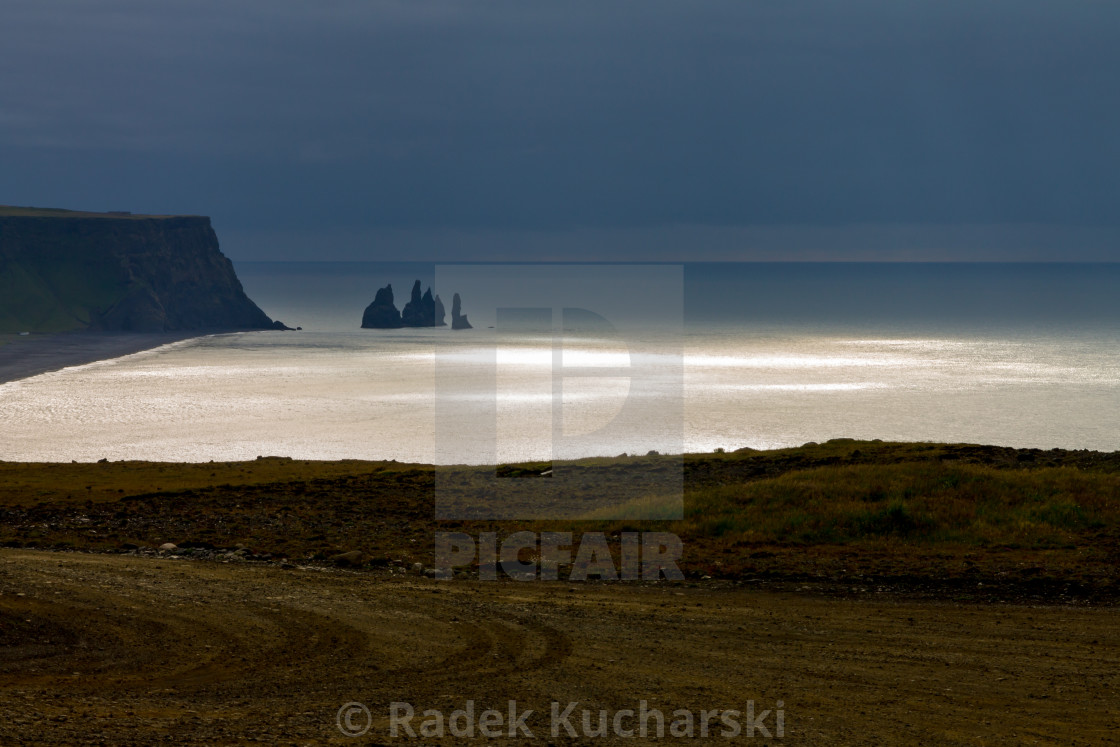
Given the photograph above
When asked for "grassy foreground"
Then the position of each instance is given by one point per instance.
(844, 517)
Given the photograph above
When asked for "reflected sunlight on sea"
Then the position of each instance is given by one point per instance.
(759, 371)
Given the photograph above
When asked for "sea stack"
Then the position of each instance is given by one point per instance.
(458, 319)
(420, 311)
(440, 313)
(382, 313)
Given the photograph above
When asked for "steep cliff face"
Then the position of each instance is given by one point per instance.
(67, 271)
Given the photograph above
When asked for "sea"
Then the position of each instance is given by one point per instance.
(758, 355)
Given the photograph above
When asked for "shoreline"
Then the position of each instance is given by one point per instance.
(24, 357)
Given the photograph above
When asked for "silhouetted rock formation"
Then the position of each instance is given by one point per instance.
(382, 313)
(421, 310)
(458, 319)
(440, 314)
(428, 306)
(64, 270)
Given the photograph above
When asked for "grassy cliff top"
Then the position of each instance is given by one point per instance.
(12, 211)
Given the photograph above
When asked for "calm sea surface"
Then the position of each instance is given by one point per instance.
(773, 355)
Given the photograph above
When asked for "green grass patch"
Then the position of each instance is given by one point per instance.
(922, 503)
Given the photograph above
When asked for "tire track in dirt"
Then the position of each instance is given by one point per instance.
(98, 649)
(123, 634)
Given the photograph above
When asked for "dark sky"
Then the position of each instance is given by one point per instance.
(460, 130)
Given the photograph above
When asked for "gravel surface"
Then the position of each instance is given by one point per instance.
(141, 650)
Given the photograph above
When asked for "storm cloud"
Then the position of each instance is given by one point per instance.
(489, 130)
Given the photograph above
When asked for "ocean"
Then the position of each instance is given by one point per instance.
(764, 356)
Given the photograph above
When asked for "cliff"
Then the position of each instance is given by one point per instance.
(63, 270)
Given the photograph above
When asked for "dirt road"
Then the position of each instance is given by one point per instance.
(98, 649)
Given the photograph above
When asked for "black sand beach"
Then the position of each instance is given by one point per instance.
(24, 356)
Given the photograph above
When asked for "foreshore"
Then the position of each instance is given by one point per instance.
(31, 355)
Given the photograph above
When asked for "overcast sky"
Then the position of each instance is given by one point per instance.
(563, 129)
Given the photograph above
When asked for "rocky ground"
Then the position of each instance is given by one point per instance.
(381, 516)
